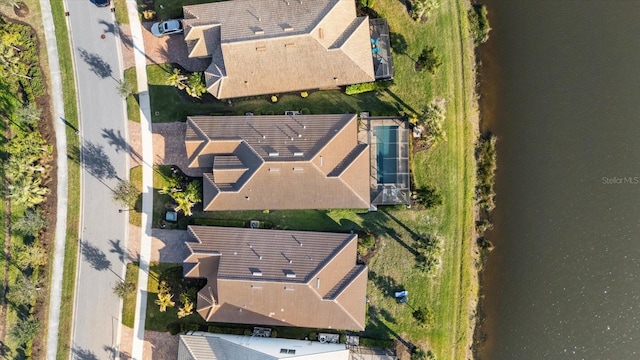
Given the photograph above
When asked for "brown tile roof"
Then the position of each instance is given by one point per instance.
(255, 45)
(316, 158)
(274, 277)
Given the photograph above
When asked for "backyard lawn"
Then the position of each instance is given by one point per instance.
(449, 167)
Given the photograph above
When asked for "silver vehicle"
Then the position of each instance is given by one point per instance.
(167, 27)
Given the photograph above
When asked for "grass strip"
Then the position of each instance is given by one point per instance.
(129, 301)
(73, 208)
(122, 15)
(133, 104)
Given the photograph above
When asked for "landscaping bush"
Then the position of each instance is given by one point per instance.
(173, 328)
(366, 87)
(479, 24)
(305, 111)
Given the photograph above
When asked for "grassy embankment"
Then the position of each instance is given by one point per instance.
(73, 208)
(449, 166)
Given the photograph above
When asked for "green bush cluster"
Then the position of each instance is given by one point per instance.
(366, 87)
(479, 23)
(20, 59)
(486, 160)
(428, 253)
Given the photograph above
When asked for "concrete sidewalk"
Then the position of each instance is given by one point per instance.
(61, 192)
(147, 180)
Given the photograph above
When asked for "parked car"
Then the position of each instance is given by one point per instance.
(166, 27)
(101, 3)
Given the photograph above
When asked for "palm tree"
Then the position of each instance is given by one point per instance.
(125, 88)
(164, 301)
(176, 78)
(185, 310)
(123, 288)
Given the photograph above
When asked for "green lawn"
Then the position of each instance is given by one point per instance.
(122, 16)
(160, 174)
(155, 319)
(450, 167)
(129, 301)
(170, 104)
(133, 105)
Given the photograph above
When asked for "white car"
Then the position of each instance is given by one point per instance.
(167, 27)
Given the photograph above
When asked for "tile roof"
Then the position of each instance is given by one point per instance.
(277, 277)
(209, 346)
(317, 158)
(255, 45)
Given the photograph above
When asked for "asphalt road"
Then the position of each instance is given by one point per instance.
(103, 151)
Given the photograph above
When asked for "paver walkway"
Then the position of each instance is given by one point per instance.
(160, 50)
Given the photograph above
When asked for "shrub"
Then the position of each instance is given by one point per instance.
(479, 23)
(274, 333)
(274, 99)
(173, 328)
(368, 86)
(424, 316)
(219, 222)
(305, 111)
(304, 94)
(428, 253)
(487, 164)
(429, 197)
(429, 60)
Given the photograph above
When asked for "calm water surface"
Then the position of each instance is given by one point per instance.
(561, 89)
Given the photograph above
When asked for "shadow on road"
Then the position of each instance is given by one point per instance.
(95, 257)
(96, 63)
(112, 352)
(83, 354)
(123, 255)
(126, 40)
(94, 160)
(116, 140)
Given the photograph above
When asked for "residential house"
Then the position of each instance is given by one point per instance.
(206, 346)
(273, 46)
(278, 277)
(279, 161)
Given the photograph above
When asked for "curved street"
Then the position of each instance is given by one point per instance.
(96, 53)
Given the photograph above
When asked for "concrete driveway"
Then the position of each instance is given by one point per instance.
(160, 50)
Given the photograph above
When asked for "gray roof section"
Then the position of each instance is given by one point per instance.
(252, 19)
(295, 137)
(214, 348)
(278, 255)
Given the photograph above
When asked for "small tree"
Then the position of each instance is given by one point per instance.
(429, 197)
(125, 88)
(424, 316)
(419, 354)
(126, 193)
(422, 9)
(189, 197)
(428, 253)
(32, 256)
(31, 223)
(24, 331)
(429, 60)
(24, 291)
(123, 288)
(28, 115)
(433, 117)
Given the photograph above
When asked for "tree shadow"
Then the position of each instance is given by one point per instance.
(123, 255)
(126, 40)
(398, 43)
(414, 235)
(400, 101)
(113, 352)
(79, 353)
(93, 159)
(377, 326)
(116, 140)
(94, 256)
(96, 63)
(385, 283)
